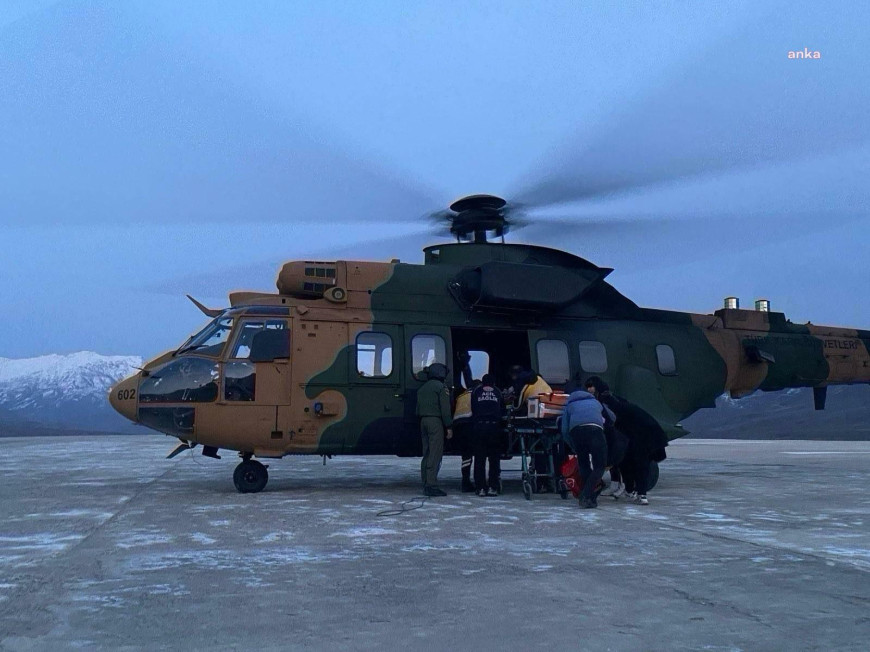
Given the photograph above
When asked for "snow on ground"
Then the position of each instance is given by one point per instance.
(742, 547)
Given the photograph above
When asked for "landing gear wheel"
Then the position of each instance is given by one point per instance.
(250, 477)
(653, 477)
(527, 489)
(563, 489)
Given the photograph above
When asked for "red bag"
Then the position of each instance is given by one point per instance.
(571, 473)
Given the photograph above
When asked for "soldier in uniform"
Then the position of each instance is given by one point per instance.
(433, 410)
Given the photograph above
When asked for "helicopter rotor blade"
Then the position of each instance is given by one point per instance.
(261, 275)
(546, 227)
(651, 243)
(118, 123)
(743, 104)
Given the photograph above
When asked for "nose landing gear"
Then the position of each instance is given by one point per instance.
(250, 476)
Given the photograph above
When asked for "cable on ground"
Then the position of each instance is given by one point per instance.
(403, 507)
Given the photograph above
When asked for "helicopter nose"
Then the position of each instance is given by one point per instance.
(123, 397)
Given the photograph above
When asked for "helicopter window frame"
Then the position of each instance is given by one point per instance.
(666, 360)
(593, 356)
(201, 342)
(378, 350)
(438, 342)
(552, 372)
(267, 324)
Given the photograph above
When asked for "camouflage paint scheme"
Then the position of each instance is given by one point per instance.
(317, 403)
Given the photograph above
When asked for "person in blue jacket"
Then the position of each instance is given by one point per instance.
(582, 428)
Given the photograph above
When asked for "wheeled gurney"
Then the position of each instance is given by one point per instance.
(536, 439)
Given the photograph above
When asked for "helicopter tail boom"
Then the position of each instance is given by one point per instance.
(763, 350)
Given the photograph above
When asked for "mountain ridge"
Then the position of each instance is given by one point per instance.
(68, 394)
(59, 392)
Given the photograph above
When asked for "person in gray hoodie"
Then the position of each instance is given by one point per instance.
(582, 428)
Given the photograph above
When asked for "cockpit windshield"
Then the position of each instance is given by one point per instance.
(210, 340)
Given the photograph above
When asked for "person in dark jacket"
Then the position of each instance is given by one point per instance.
(436, 419)
(486, 413)
(647, 442)
(582, 427)
(617, 442)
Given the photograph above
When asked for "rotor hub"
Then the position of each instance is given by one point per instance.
(475, 216)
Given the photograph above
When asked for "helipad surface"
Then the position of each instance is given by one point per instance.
(746, 545)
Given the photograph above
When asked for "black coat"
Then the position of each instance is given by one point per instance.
(486, 403)
(647, 438)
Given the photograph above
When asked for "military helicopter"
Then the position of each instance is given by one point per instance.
(122, 123)
(331, 362)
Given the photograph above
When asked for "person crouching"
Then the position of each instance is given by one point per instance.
(582, 428)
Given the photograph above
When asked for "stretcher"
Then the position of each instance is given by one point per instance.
(535, 439)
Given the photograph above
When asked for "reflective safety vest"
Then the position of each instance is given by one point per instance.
(531, 390)
(463, 406)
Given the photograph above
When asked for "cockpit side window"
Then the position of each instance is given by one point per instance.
(275, 342)
(258, 340)
(210, 340)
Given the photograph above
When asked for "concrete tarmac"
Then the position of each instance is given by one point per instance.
(745, 546)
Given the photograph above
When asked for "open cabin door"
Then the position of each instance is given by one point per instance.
(488, 350)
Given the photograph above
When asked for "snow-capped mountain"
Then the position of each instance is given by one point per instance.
(52, 394)
(62, 391)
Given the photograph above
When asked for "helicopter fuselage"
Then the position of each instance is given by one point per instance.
(331, 363)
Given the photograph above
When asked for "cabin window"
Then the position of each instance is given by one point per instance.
(427, 349)
(262, 340)
(553, 365)
(593, 357)
(666, 360)
(374, 355)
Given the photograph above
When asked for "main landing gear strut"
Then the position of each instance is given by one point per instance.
(250, 475)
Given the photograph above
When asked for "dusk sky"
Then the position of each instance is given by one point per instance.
(152, 149)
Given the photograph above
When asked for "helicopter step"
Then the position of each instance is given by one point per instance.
(250, 476)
